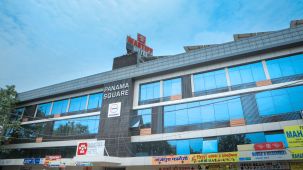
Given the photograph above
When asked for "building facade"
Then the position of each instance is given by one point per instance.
(236, 105)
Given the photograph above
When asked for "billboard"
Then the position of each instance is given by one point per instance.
(138, 45)
(294, 135)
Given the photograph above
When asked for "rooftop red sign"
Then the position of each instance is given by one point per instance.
(139, 44)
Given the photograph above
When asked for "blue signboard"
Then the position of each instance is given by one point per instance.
(32, 161)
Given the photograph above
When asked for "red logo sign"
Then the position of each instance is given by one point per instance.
(269, 146)
(82, 149)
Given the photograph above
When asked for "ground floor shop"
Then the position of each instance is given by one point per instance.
(273, 165)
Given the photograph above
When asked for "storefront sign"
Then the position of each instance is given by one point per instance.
(33, 161)
(117, 90)
(180, 168)
(297, 154)
(269, 146)
(215, 157)
(296, 165)
(264, 165)
(294, 136)
(170, 160)
(53, 161)
(85, 164)
(114, 109)
(91, 148)
(264, 155)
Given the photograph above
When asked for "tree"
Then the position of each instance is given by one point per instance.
(8, 101)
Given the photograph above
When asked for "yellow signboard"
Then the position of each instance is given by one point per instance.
(294, 136)
(214, 157)
(297, 154)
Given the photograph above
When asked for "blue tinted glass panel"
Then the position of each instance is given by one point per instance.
(149, 91)
(194, 113)
(183, 147)
(210, 80)
(195, 146)
(77, 104)
(172, 87)
(169, 118)
(280, 101)
(255, 137)
(95, 101)
(235, 109)
(223, 109)
(79, 126)
(43, 109)
(210, 146)
(286, 66)
(145, 116)
(276, 138)
(246, 73)
(59, 107)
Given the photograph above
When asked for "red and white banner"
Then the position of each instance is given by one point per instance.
(91, 148)
(269, 146)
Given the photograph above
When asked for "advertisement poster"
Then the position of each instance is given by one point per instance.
(294, 136)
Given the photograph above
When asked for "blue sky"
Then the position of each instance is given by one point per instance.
(43, 42)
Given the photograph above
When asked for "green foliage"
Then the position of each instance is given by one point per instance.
(8, 100)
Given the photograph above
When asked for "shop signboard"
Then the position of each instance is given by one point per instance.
(297, 154)
(264, 155)
(170, 160)
(33, 161)
(53, 161)
(114, 109)
(215, 157)
(294, 135)
(269, 146)
(91, 148)
(264, 165)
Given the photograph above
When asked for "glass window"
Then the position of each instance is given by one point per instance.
(18, 114)
(172, 87)
(43, 109)
(246, 73)
(95, 101)
(59, 107)
(77, 104)
(286, 66)
(254, 138)
(78, 126)
(210, 146)
(195, 146)
(276, 138)
(145, 115)
(150, 91)
(210, 80)
(223, 109)
(32, 130)
(280, 101)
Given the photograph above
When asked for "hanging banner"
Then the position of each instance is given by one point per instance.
(214, 157)
(294, 136)
(170, 160)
